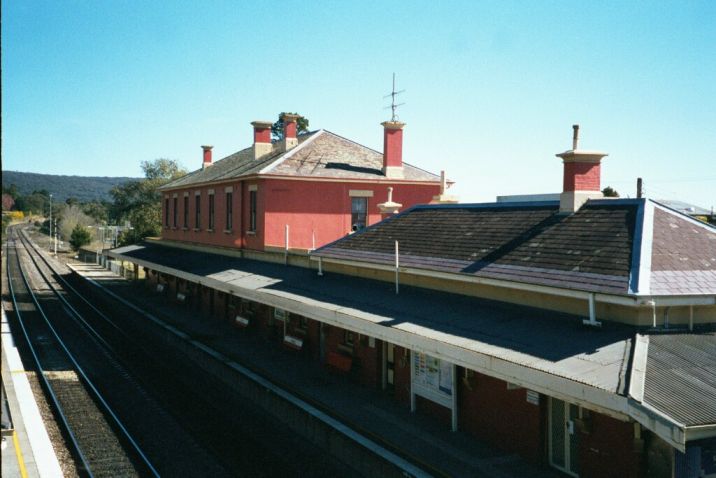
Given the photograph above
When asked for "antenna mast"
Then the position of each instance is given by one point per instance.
(393, 106)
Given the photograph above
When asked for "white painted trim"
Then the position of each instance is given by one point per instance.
(287, 155)
(210, 192)
(186, 194)
(647, 237)
(197, 193)
(253, 187)
(360, 193)
(229, 189)
(638, 371)
(175, 195)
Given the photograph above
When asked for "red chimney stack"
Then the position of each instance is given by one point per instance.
(262, 138)
(582, 175)
(290, 130)
(207, 156)
(393, 149)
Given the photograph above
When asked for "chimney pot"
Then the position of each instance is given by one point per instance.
(207, 156)
(575, 136)
(393, 149)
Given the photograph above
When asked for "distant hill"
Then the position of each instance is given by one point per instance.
(84, 188)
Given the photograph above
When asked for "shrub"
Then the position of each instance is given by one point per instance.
(80, 237)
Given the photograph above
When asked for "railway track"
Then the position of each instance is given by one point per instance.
(97, 439)
(172, 412)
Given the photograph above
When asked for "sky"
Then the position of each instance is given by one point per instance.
(492, 89)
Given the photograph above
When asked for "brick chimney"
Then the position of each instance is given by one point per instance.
(262, 138)
(290, 129)
(207, 157)
(393, 149)
(582, 176)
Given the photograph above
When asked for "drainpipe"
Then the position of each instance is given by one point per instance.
(691, 318)
(592, 313)
(320, 266)
(666, 317)
(241, 217)
(652, 303)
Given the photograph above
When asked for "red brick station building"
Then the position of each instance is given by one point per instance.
(577, 333)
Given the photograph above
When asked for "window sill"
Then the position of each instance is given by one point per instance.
(197, 229)
(174, 228)
(250, 233)
(228, 231)
(184, 228)
(209, 230)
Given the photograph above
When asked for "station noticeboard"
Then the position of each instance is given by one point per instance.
(432, 378)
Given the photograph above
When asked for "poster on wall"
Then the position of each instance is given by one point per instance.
(432, 377)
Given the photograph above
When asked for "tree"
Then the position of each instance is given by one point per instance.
(277, 127)
(610, 192)
(80, 237)
(69, 218)
(139, 202)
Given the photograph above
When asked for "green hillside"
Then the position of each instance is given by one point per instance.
(84, 188)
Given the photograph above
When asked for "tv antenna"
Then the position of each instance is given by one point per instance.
(393, 106)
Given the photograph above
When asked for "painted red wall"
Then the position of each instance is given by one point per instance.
(324, 208)
(308, 207)
(501, 417)
(608, 449)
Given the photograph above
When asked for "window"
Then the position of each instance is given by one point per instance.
(302, 323)
(186, 212)
(348, 338)
(229, 210)
(252, 210)
(211, 211)
(359, 213)
(197, 211)
(166, 212)
(175, 212)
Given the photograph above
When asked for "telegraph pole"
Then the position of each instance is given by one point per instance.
(50, 222)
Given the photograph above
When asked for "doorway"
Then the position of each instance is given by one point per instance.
(563, 436)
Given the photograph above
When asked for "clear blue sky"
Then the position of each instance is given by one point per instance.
(492, 88)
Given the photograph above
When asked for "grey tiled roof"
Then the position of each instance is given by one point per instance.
(589, 250)
(680, 378)
(683, 259)
(318, 154)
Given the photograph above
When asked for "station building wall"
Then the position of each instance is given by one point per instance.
(317, 211)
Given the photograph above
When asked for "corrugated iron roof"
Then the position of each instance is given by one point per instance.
(680, 377)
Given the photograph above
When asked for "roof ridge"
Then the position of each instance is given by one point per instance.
(684, 216)
(287, 154)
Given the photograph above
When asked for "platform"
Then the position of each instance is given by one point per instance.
(417, 436)
(27, 450)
